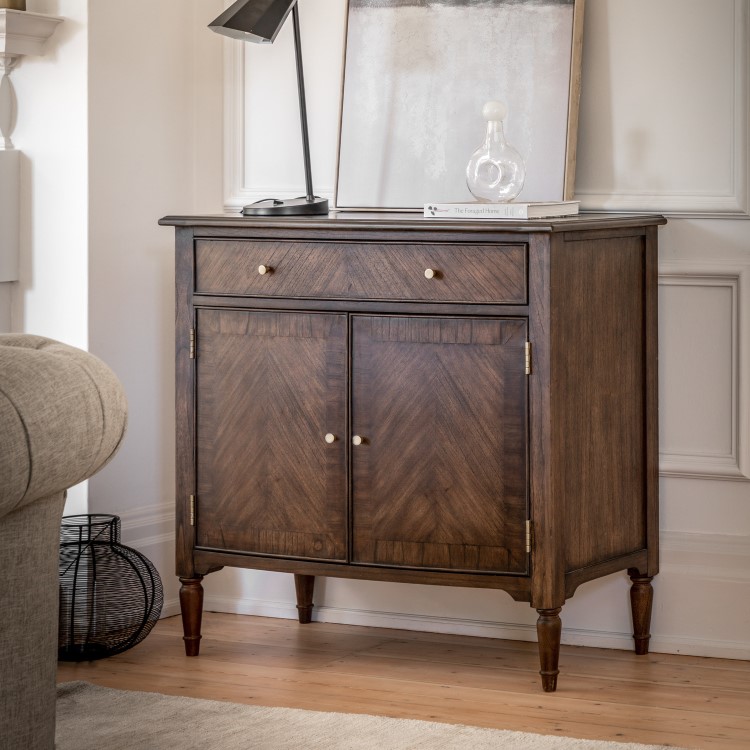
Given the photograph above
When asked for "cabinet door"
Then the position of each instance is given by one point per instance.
(270, 386)
(440, 477)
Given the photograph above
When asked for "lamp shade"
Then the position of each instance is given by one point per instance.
(253, 20)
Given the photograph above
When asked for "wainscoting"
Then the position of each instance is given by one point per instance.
(714, 567)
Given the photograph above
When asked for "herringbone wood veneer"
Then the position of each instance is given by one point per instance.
(269, 388)
(440, 479)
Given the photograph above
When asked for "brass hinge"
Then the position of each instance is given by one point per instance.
(528, 358)
(192, 510)
(529, 536)
(192, 343)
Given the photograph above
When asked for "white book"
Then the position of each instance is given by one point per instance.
(476, 210)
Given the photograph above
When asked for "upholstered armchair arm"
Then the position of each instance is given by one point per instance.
(62, 417)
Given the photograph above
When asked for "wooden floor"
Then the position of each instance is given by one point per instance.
(657, 699)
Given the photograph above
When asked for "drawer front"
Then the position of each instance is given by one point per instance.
(489, 274)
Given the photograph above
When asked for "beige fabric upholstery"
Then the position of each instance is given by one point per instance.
(62, 417)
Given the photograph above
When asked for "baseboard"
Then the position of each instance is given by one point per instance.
(170, 608)
(373, 618)
(148, 525)
(478, 628)
(710, 562)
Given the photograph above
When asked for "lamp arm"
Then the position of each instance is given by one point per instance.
(302, 105)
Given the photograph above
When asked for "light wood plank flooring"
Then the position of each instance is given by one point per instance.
(602, 694)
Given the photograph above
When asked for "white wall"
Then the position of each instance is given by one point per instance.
(120, 124)
(154, 96)
(664, 128)
(50, 298)
(52, 133)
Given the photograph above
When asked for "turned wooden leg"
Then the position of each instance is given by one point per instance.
(191, 606)
(549, 629)
(641, 602)
(304, 586)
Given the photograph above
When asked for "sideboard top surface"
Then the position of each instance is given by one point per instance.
(412, 221)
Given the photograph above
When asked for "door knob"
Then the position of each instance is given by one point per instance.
(330, 438)
(358, 440)
(263, 270)
(430, 273)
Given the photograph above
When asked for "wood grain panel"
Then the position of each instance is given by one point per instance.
(598, 371)
(651, 386)
(464, 273)
(270, 385)
(184, 404)
(547, 561)
(440, 480)
(516, 586)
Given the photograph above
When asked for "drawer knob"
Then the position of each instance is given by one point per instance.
(358, 440)
(330, 438)
(430, 273)
(263, 270)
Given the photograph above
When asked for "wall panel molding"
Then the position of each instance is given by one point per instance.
(711, 557)
(234, 125)
(735, 464)
(734, 200)
(236, 193)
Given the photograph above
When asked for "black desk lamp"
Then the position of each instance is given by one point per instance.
(260, 21)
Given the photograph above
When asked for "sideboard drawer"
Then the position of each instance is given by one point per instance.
(489, 274)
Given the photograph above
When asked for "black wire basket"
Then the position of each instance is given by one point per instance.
(110, 595)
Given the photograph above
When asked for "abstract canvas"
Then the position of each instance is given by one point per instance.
(416, 75)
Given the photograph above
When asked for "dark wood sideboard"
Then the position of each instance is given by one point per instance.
(388, 397)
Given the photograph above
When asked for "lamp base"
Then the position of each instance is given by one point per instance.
(291, 207)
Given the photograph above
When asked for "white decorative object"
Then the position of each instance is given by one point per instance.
(21, 33)
(496, 171)
(7, 103)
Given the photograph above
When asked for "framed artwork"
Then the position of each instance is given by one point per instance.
(416, 76)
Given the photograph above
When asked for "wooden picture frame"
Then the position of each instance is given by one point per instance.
(416, 75)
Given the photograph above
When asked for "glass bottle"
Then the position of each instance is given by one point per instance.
(496, 171)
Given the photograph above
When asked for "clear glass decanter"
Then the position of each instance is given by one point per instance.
(496, 171)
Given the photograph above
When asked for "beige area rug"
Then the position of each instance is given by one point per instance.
(96, 718)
